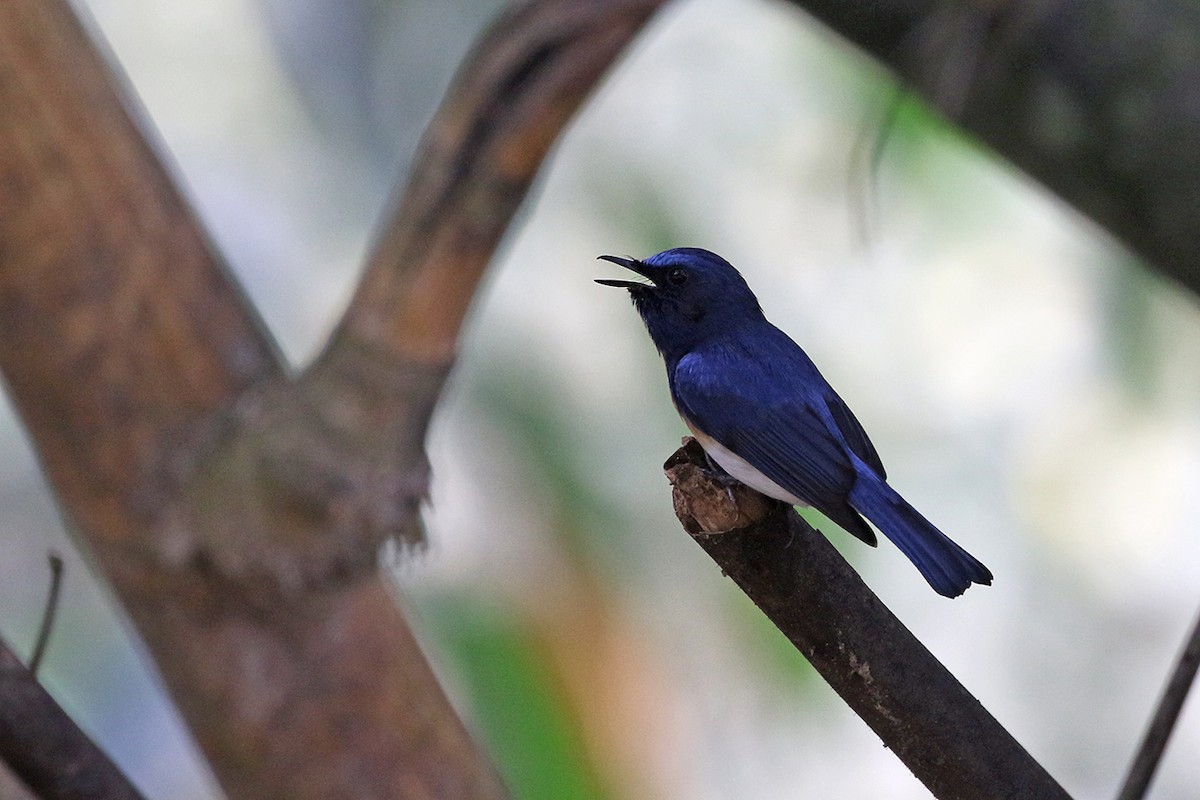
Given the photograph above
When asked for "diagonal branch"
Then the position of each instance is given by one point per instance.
(1166, 714)
(524, 80)
(44, 747)
(804, 586)
(120, 331)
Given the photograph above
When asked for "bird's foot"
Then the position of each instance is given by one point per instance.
(722, 478)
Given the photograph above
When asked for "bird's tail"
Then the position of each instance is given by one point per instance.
(948, 568)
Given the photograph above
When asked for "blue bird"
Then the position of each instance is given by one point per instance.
(761, 410)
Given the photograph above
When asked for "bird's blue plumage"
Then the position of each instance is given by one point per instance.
(753, 393)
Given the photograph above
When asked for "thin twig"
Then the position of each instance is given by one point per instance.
(48, 615)
(1141, 772)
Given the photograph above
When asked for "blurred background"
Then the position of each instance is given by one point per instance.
(1029, 387)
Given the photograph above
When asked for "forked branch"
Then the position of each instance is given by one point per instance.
(238, 512)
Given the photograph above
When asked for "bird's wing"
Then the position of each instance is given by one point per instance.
(852, 431)
(762, 418)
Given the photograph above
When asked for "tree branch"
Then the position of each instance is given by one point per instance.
(1154, 743)
(44, 747)
(1093, 98)
(517, 90)
(238, 513)
(804, 586)
(521, 85)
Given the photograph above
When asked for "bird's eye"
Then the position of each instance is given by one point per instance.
(677, 277)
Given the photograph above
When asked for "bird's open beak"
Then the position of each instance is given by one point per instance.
(630, 264)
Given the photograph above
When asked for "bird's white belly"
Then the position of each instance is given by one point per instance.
(743, 470)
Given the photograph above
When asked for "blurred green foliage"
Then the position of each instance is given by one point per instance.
(516, 699)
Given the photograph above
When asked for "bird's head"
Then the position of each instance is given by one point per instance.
(689, 295)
